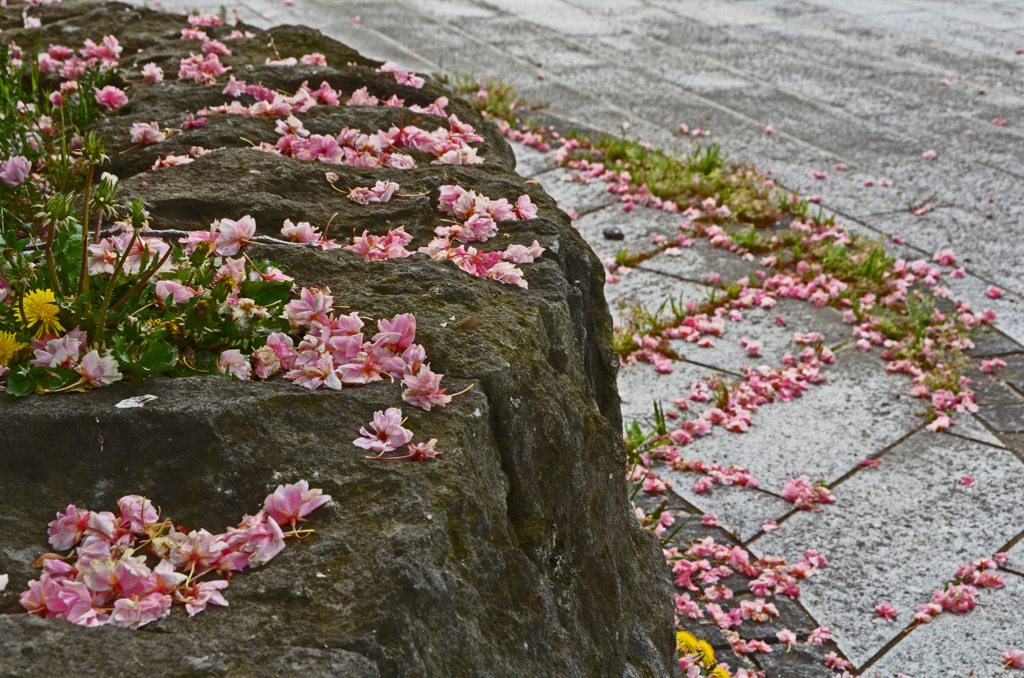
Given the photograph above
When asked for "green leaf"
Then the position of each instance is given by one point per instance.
(266, 292)
(21, 384)
(158, 357)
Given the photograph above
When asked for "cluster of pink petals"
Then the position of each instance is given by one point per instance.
(705, 562)
(989, 366)
(171, 160)
(381, 192)
(147, 133)
(619, 182)
(713, 474)
(382, 247)
(1013, 659)
(226, 237)
(837, 663)
(804, 495)
(207, 19)
(402, 77)
(203, 68)
(63, 60)
(387, 434)
(380, 149)
(314, 59)
(94, 370)
(489, 265)
(477, 216)
(103, 257)
(334, 353)
(303, 232)
(960, 595)
(111, 97)
(15, 170)
(111, 581)
(271, 103)
(527, 138)
(886, 611)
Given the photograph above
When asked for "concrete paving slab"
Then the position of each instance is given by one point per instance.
(640, 387)
(776, 341)
(990, 344)
(857, 413)
(898, 532)
(949, 30)
(572, 195)
(992, 390)
(700, 261)
(740, 511)
(985, 247)
(969, 426)
(1004, 418)
(1009, 309)
(1015, 557)
(648, 289)
(555, 15)
(717, 13)
(980, 638)
(530, 161)
(637, 227)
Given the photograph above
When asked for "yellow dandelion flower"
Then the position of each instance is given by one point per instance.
(40, 308)
(721, 672)
(687, 642)
(9, 345)
(707, 655)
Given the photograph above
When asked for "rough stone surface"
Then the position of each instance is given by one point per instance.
(514, 554)
(882, 550)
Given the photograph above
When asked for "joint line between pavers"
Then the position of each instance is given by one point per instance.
(843, 478)
(878, 455)
(1010, 544)
(712, 367)
(543, 171)
(689, 507)
(778, 522)
(888, 646)
(675, 277)
(1014, 351)
(985, 425)
(592, 210)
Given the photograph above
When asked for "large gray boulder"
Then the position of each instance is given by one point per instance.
(514, 554)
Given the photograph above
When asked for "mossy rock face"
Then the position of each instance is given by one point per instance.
(514, 554)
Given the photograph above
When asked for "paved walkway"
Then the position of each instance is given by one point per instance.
(854, 82)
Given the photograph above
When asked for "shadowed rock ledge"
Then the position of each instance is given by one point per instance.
(514, 554)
